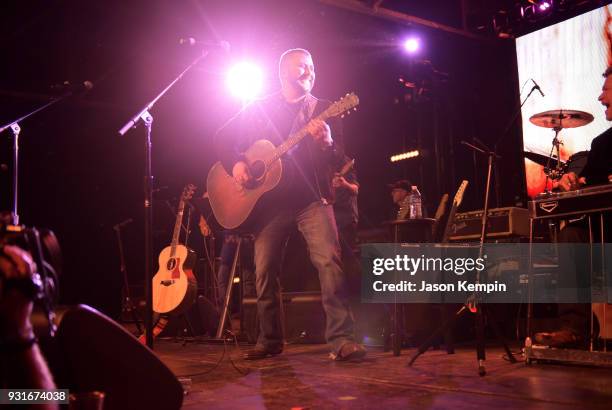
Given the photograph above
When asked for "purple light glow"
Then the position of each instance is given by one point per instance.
(245, 80)
(412, 45)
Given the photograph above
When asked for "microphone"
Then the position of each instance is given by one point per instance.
(221, 44)
(537, 87)
(67, 86)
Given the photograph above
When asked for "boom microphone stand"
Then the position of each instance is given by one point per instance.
(16, 129)
(147, 119)
(473, 303)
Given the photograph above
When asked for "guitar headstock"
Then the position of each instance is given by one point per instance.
(459, 195)
(347, 167)
(188, 192)
(342, 106)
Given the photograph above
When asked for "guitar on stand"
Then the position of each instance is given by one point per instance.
(453, 211)
(174, 285)
(232, 203)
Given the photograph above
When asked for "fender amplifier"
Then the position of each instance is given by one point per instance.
(502, 223)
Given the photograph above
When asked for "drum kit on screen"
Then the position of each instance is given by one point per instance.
(557, 120)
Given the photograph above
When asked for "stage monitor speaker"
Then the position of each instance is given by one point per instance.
(98, 354)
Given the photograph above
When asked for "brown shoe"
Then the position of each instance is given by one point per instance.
(560, 338)
(349, 351)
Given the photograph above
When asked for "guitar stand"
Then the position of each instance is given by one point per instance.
(127, 307)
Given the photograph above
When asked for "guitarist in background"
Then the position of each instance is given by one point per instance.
(346, 211)
(300, 198)
(346, 189)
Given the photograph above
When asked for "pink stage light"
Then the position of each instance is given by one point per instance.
(544, 6)
(412, 45)
(245, 80)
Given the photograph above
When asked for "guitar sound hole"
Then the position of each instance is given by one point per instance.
(171, 264)
(258, 169)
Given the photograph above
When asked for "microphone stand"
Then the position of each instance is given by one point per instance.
(16, 129)
(472, 303)
(147, 119)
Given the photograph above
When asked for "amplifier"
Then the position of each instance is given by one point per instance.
(501, 223)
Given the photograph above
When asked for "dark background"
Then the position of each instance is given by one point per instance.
(79, 177)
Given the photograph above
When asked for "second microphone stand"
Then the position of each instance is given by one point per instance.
(473, 303)
(16, 129)
(145, 116)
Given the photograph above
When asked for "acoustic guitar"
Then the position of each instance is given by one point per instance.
(174, 285)
(231, 202)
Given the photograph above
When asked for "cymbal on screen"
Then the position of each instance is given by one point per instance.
(561, 119)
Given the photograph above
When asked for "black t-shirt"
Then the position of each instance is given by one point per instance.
(599, 162)
(306, 167)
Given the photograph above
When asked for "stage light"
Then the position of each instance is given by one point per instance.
(405, 155)
(412, 45)
(245, 80)
(544, 6)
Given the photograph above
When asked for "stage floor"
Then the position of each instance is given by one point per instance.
(303, 377)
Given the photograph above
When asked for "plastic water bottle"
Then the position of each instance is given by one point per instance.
(416, 209)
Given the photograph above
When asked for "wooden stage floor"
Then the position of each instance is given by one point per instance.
(304, 378)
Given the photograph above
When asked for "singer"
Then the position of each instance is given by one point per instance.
(301, 198)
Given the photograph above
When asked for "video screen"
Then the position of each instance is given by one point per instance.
(567, 61)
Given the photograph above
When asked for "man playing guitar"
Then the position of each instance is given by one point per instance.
(300, 198)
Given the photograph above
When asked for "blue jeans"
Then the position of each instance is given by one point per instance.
(317, 224)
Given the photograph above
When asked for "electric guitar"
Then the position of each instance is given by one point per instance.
(451, 215)
(174, 285)
(231, 202)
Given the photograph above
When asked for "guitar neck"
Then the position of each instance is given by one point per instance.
(293, 140)
(451, 215)
(177, 227)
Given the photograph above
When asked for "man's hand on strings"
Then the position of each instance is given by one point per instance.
(321, 133)
(241, 173)
(570, 182)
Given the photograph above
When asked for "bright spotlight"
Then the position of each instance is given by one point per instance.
(412, 45)
(245, 80)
